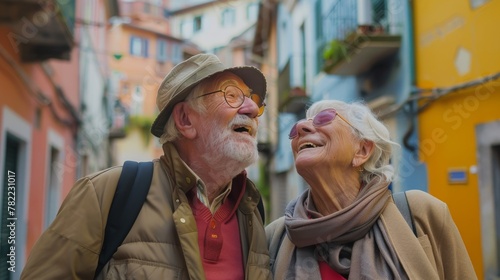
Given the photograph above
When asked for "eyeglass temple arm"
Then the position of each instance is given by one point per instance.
(345, 120)
(205, 94)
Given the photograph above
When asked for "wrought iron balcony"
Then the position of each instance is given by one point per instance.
(40, 29)
(358, 35)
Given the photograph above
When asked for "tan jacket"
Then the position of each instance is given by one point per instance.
(163, 242)
(438, 239)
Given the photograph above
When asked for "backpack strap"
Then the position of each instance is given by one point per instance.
(276, 240)
(402, 203)
(260, 206)
(131, 191)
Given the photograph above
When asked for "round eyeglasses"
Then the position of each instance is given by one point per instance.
(235, 97)
(322, 118)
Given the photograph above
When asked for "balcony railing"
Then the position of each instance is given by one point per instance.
(40, 29)
(341, 20)
(359, 34)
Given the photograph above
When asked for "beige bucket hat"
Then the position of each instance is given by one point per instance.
(179, 82)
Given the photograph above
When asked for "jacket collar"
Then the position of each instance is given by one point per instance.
(185, 178)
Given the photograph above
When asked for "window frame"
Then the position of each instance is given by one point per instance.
(143, 46)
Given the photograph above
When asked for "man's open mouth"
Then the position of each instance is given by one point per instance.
(243, 128)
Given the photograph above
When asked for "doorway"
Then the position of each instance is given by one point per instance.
(488, 158)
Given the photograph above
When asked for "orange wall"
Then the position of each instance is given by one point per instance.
(443, 29)
(138, 71)
(17, 96)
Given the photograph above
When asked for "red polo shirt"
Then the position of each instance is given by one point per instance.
(219, 235)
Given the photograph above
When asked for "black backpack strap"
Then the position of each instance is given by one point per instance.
(260, 206)
(402, 203)
(131, 191)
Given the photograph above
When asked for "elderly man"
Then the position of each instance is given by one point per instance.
(200, 218)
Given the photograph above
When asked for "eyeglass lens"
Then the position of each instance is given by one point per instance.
(258, 101)
(235, 97)
(322, 118)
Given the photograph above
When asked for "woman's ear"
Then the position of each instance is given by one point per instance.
(364, 152)
(181, 115)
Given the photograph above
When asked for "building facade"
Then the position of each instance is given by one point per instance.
(430, 76)
(211, 24)
(346, 50)
(50, 124)
(39, 122)
(143, 52)
(457, 74)
(95, 96)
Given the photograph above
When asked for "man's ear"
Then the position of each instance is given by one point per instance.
(364, 152)
(182, 118)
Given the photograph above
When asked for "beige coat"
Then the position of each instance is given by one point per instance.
(163, 242)
(440, 242)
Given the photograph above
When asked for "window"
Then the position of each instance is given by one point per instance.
(176, 53)
(16, 139)
(303, 56)
(138, 46)
(55, 170)
(216, 50)
(136, 107)
(488, 155)
(379, 12)
(186, 28)
(228, 17)
(477, 3)
(161, 50)
(318, 20)
(319, 36)
(252, 11)
(53, 182)
(147, 7)
(166, 13)
(197, 23)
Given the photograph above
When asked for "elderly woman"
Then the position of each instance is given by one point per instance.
(346, 225)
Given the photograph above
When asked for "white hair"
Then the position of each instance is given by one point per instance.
(170, 132)
(366, 127)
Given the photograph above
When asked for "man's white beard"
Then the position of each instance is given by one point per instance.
(227, 148)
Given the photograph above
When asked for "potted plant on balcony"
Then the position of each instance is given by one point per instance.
(334, 52)
(337, 50)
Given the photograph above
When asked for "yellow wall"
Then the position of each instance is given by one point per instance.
(447, 127)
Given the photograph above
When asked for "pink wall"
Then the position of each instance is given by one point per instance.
(19, 96)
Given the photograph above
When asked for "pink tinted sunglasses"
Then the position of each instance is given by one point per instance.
(322, 118)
